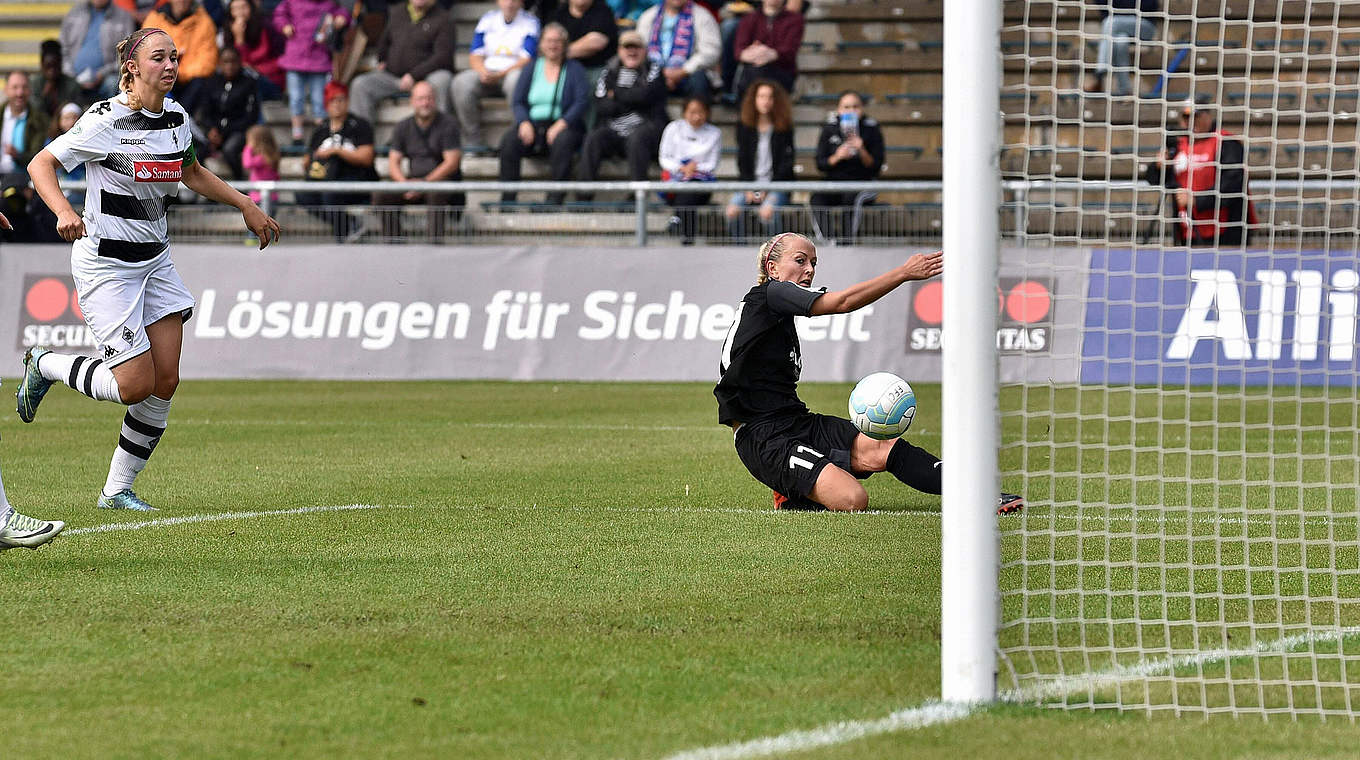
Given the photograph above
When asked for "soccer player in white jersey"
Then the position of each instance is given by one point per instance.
(17, 529)
(136, 149)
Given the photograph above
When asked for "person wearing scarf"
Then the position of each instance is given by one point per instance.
(684, 38)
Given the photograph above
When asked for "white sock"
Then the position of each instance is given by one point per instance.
(5, 507)
(143, 426)
(89, 376)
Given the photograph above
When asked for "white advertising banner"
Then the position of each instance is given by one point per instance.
(530, 313)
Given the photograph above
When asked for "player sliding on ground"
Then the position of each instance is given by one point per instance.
(136, 148)
(809, 460)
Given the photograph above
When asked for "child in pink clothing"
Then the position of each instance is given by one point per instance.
(260, 157)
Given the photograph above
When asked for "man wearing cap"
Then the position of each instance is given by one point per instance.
(341, 149)
(630, 101)
(1207, 180)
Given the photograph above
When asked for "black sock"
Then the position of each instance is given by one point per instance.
(916, 467)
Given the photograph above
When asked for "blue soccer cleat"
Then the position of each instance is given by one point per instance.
(33, 387)
(124, 499)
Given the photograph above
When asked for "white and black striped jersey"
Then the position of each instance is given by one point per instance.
(133, 160)
(761, 357)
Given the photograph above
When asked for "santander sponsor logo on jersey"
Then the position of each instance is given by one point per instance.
(158, 171)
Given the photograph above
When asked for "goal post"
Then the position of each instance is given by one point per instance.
(1190, 455)
(969, 602)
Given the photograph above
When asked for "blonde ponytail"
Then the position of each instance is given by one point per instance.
(127, 49)
(771, 250)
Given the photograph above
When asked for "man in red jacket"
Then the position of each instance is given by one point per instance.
(1208, 177)
(767, 45)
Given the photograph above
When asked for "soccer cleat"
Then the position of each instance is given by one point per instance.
(1009, 503)
(804, 505)
(124, 499)
(33, 387)
(30, 533)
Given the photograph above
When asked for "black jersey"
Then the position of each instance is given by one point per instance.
(761, 357)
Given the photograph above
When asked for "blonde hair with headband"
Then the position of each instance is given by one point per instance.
(772, 249)
(127, 49)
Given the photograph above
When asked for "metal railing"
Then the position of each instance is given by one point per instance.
(485, 218)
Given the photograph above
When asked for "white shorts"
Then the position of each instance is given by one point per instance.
(119, 299)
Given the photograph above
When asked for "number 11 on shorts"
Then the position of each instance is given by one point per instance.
(797, 461)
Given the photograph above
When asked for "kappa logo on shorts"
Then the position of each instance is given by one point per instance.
(109, 352)
(128, 335)
(158, 171)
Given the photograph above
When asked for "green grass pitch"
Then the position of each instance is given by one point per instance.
(549, 570)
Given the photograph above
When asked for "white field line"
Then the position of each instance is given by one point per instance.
(934, 713)
(166, 522)
(912, 514)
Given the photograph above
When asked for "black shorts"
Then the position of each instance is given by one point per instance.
(787, 453)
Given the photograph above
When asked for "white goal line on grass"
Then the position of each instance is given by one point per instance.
(1257, 520)
(934, 713)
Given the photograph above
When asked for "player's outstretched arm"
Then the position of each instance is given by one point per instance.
(42, 170)
(920, 266)
(209, 185)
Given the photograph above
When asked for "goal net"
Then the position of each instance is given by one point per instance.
(1191, 454)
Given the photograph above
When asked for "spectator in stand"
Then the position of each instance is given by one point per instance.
(194, 35)
(1205, 172)
(51, 87)
(261, 159)
(341, 149)
(730, 18)
(504, 41)
(850, 148)
(1121, 22)
(23, 127)
(628, 11)
(249, 31)
(764, 154)
(90, 34)
(66, 118)
(138, 9)
(766, 46)
(549, 106)
(684, 38)
(226, 106)
(592, 36)
(428, 140)
(416, 46)
(306, 60)
(630, 99)
(690, 147)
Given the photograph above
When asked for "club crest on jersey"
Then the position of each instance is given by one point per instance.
(158, 171)
(128, 335)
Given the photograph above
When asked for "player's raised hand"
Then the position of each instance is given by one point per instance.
(923, 266)
(70, 226)
(4, 223)
(262, 224)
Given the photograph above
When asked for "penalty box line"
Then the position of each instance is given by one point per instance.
(934, 712)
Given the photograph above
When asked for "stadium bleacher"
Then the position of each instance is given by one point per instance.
(1272, 90)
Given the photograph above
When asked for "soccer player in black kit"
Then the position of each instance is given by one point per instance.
(810, 460)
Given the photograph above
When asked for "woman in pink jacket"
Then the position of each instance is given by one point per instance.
(306, 27)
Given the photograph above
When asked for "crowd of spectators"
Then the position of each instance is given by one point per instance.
(586, 84)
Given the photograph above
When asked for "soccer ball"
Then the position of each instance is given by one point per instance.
(882, 405)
